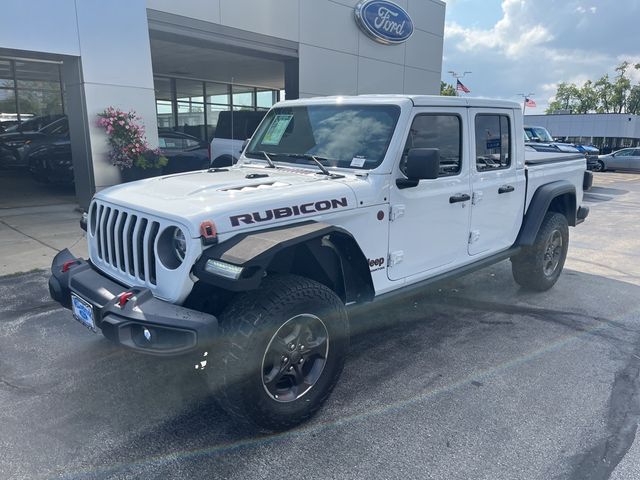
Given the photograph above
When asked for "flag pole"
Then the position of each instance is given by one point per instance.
(524, 102)
(457, 76)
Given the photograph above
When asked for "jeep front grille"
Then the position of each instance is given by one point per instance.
(124, 241)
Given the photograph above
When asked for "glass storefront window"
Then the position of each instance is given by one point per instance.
(243, 97)
(164, 112)
(38, 76)
(189, 91)
(213, 112)
(6, 74)
(8, 112)
(39, 103)
(163, 88)
(191, 119)
(193, 106)
(30, 91)
(217, 93)
(265, 98)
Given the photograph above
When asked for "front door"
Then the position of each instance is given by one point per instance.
(620, 159)
(430, 222)
(498, 185)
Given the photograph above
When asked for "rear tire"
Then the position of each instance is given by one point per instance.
(539, 266)
(283, 349)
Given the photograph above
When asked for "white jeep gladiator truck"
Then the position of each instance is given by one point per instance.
(334, 201)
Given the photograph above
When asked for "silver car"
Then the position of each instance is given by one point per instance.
(625, 159)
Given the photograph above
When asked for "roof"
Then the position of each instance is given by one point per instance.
(417, 100)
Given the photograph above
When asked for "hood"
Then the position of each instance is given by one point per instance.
(551, 147)
(236, 198)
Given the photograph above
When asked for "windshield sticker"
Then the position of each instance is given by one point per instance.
(276, 130)
(358, 162)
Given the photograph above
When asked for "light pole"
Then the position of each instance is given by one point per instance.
(457, 75)
(524, 102)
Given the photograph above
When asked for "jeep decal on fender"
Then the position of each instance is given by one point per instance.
(284, 212)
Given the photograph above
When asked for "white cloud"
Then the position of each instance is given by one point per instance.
(538, 43)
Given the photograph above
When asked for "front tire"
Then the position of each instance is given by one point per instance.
(539, 266)
(599, 166)
(283, 350)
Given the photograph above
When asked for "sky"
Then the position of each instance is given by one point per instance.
(529, 46)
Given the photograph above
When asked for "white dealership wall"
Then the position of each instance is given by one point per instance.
(105, 49)
(112, 42)
(335, 56)
(609, 125)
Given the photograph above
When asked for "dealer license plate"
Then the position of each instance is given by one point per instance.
(83, 312)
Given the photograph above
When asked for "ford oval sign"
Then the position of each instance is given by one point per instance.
(384, 21)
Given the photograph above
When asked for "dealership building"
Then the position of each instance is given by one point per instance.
(178, 64)
(607, 131)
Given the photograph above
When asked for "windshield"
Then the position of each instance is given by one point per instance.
(538, 133)
(348, 136)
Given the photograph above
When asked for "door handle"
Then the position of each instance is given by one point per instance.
(461, 197)
(506, 189)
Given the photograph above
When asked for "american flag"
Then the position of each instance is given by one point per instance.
(461, 88)
(529, 103)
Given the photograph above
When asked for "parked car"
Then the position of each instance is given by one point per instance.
(184, 152)
(251, 268)
(18, 140)
(625, 159)
(540, 140)
(233, 129)
(50, 160)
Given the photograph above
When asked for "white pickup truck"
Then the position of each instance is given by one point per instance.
(334, 201)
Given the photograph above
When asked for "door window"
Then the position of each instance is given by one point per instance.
(624, 153)
(437, 131)
(493, 142)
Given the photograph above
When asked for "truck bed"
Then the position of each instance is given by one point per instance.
(547, 167)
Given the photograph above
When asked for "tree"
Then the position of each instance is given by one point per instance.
(603, 96)
(447, 89)
(621, 88)
(567, 98)
(587, 98)
(604, 90)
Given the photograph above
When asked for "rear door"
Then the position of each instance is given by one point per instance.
(498, 186)
(634, 160)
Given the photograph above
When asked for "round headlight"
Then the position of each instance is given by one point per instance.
(179, 243)
(172, 247)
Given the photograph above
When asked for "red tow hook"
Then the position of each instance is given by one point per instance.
(124, 297)
(67, 265)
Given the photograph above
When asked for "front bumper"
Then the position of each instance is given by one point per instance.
(171, 329)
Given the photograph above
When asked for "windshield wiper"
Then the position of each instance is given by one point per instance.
(315, 159)
(266, 157)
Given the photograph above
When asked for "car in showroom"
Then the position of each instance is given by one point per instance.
(49, 160)
(624, 159)
(234, 128)
(18, 140)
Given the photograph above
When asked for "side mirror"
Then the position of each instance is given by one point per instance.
(422, 164)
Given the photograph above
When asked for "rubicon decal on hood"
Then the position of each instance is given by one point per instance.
(284, 212)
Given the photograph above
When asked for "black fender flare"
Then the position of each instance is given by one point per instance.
(325, 247)
(539, 206)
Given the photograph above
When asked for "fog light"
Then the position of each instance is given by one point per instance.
(223, 269)
(147, 334)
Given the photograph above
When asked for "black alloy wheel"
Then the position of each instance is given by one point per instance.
(295, 357)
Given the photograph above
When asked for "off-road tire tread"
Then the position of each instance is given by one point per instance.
(239, 323)
(527, 266)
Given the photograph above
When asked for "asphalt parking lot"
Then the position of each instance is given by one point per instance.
(473, 379)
